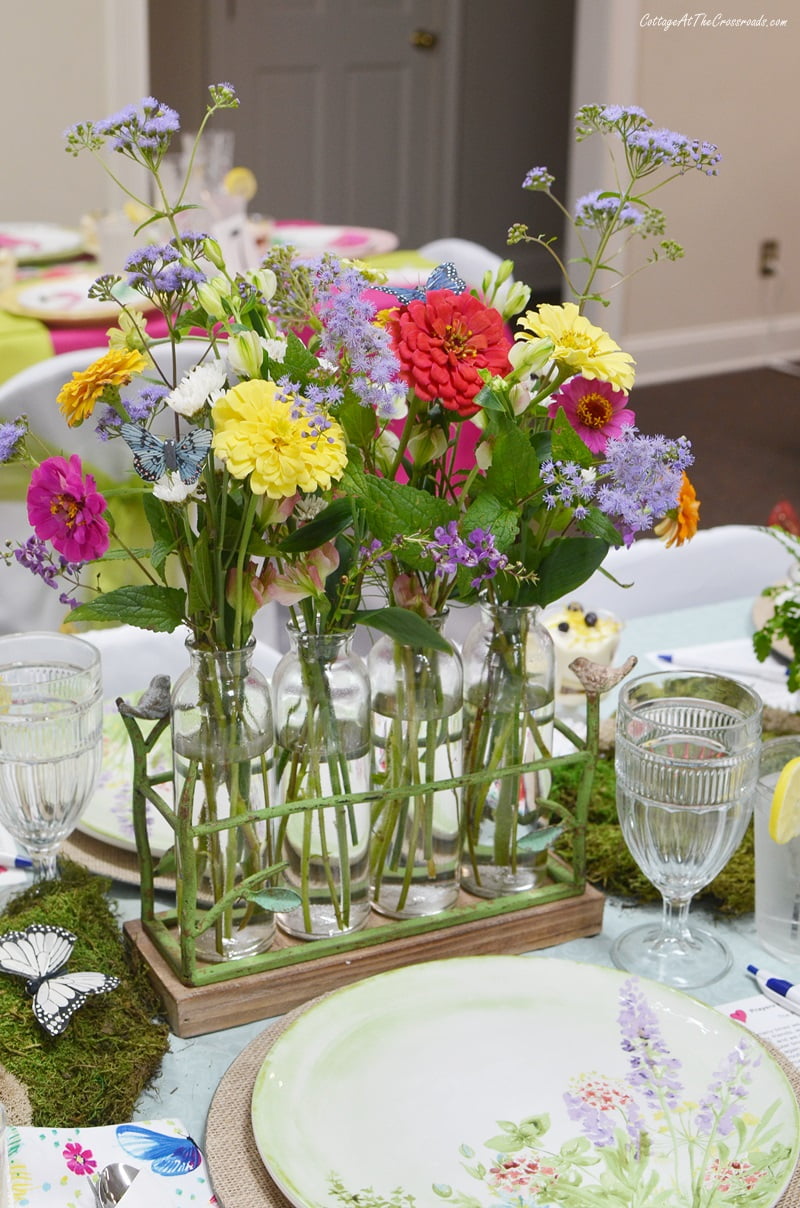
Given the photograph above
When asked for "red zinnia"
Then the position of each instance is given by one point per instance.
(443, 341)
(66, 509)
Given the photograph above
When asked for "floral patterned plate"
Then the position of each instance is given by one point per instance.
(109, 816)
(522, 1081)
(312, 238)
(64, 298)
(39, 242)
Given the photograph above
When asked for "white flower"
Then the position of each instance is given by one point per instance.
(483, 455)
(386, 447)
(172, 489)
(245, 352)
(276, 349)
(520, 396)
(309, 506)
(202, 384)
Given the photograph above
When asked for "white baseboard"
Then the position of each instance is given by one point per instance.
(716, 348)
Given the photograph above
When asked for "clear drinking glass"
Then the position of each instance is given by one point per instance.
(51, 738)
(687, 761)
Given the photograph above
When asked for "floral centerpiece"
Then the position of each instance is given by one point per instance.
(357, 467)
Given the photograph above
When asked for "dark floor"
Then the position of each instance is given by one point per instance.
(745, 434)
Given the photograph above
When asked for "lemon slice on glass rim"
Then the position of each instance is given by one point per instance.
(784, 814)
(240, 182)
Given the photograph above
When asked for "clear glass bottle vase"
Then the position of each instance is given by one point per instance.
(322, 703)
(509, 666)
(222, 746)
(417, 736)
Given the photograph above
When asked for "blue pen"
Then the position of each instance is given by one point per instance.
(7, 860)
(778, 989)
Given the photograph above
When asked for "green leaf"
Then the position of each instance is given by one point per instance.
(148, 606)
(599, 525)
(407, 628)
(276, 899)
(566, 444)
(489, 400)
(394, 508)
(538, 840)
(358, 422)
(513, 475)
(298, 361)
(568, 564)
(325, 526)
(167, 866)
(201, 586)
(487, 512)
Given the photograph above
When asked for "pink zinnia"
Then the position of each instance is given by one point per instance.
(595, 410)
(66, 509)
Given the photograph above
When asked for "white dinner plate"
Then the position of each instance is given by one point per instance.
(489, 1080)
(351, 242)
(39, 242)
(64, 298)
(109, 814)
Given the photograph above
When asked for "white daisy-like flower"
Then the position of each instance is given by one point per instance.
(276, 348)
(202, 384)
(171, 488)
(309, 506)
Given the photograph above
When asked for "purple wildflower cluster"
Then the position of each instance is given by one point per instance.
(567, 486)
(11, 433)
(604, 210)
(139, 409)
(40, 559)
(653, 1071)
(647, 148)
(538, 180)
(450, 550)
(161, 269)
(350, 337)
(148, 126)
(641, 479)
(728, 1091)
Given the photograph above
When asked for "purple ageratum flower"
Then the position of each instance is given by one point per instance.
(147, 128)
(538, 180)
(600, 212)
(567, 483)
(651, 148)
(641, 479)
(653, 1071)
(11, 434)
(350, 338)
(160, 270)
(139, 409)
(727, 1093)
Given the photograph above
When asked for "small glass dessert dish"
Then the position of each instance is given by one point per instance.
(576, 631)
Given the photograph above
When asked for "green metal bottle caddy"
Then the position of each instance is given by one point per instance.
(174, 933)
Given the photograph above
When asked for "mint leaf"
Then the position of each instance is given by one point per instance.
(148, 606)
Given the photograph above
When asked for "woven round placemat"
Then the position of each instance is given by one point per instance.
(238, 1175)
(107, 860)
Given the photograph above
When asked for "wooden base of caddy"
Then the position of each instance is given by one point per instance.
(196, 1010)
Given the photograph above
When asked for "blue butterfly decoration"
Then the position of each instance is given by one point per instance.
(152, 456)
(168, 1155)
(444, 276)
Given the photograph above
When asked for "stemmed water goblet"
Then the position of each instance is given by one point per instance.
(687, 762)
(51, 739)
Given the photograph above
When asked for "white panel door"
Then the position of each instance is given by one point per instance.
(348, 107)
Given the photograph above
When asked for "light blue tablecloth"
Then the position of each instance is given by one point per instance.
(193, 1068)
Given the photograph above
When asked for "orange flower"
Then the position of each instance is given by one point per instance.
(680, 523)
(77, 398)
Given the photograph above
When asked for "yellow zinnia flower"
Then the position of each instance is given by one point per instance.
(274, 441)
(578, 344)
(77, 398)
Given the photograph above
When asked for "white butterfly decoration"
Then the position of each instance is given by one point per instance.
(38, 954)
